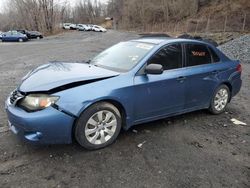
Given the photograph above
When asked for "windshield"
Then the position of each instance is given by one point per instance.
(123, 56)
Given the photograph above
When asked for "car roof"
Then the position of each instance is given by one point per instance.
(165, 40)
(13, 32)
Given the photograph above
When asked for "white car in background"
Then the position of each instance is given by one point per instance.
(69, 26)
(66, 26)
(1, 36)
(98, 28)
(73, 27)
(83, 27)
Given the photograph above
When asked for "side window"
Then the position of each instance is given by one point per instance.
(197, 54)
(170, 57)
(214, 56)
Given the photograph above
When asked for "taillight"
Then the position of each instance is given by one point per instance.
(239, 68)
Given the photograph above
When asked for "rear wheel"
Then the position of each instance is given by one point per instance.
(220, 100)
(38, 37)
(98, 126)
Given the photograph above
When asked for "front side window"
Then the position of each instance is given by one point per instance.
(123, 56)
(170, 57)
(197, 54)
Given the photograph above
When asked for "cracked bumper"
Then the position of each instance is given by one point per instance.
(48, 126)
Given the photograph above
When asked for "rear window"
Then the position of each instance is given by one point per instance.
(197, 54)
(214, 56)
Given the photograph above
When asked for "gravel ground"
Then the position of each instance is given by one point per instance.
(238, 49)
(192, 150)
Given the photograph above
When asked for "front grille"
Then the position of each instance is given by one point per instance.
(15, 96)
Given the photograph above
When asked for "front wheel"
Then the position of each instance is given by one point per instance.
(220, 100)
(20, 40)
(98, 126)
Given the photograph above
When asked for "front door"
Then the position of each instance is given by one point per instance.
(159, 95)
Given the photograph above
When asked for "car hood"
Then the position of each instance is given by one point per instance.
(61, 76)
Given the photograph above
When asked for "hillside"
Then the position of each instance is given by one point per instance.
(223, 16)
(183, 15)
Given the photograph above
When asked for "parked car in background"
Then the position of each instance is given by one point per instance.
(69, 26)
(130, 83)
(66, 26)
(31, 34)
(80, 27)
(73, 26)
(98, 28)
(14, 36)
(83, 27)
(1, 35)
(35, 35)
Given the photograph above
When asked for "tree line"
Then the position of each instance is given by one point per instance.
(46, 15)
(140, 13)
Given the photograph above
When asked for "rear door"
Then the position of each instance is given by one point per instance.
(159, 95)
(202, 75)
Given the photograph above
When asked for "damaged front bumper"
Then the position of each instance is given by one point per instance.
(48, 126)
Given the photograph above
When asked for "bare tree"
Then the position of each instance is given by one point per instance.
(32, 14)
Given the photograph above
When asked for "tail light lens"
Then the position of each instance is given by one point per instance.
(239, 68)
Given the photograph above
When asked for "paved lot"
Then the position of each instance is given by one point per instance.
(191, 150)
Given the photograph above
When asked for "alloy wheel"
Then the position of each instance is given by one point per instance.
(101, 127)
(221, 99)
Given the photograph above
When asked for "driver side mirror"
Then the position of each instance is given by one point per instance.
(154, 69)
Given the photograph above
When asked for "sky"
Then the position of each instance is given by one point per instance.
(72, 2)
(2, 2)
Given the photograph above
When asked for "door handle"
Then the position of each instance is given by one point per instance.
(181, 78)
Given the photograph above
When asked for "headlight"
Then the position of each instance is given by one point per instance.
(34, 102)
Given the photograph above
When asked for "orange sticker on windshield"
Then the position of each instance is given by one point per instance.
(200, 54)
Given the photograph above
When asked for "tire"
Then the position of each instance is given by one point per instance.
(220, 100)
(20, 40)
(38, 38)
(93, 134)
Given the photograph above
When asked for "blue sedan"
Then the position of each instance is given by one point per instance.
(130, 83)
(13, 36)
